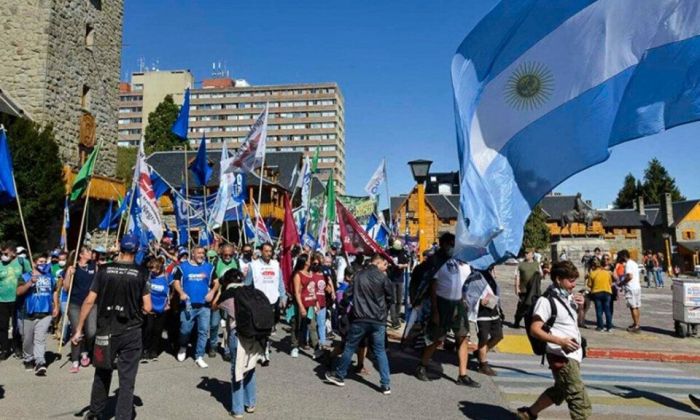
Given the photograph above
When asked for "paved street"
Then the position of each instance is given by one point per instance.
(619, 389)
(289, 388)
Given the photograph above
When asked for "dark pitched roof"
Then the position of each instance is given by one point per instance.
(622, 218)
(555, 205)
(442, 205)
(396, 202)
(653, 216)
(680, 209)
(170, 166)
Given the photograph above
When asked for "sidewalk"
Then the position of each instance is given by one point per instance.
(656, 342)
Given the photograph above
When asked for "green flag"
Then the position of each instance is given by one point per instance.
(330, 198)
(83, 178)
(314, 160)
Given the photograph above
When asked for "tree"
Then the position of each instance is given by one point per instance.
(158, 136)
(536, 233)
(126, 159)
(657, 181)
(39, 176)
(628, 194)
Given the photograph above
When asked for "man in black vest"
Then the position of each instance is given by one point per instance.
(122, 294)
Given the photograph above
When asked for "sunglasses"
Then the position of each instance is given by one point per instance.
(227, 255)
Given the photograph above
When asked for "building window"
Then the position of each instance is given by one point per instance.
(89, 36)
(689, 235)
(85, 98)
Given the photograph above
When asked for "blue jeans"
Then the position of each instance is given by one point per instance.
(201, 317)
(321, 324)
(358, 331)
(214, 322)
(603, 305)
(242, 392)
(659, 273)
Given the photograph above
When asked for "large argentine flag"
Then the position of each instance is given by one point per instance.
(544, 88)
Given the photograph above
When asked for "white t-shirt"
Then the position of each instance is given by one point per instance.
(564, 326)
(631, 267)
(267, 278)
(450, 278)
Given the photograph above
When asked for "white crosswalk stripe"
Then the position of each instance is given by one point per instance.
(618, 389)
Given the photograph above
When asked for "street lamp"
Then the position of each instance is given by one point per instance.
(420, 169)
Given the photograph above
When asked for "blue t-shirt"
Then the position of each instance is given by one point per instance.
(160, 287)
(39, 298)
(82, 280)
(195, 280)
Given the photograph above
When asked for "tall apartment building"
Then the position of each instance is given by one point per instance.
(141, 97)
(60, 65)
(302, 118)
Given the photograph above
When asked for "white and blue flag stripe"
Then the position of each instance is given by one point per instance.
(542, 91)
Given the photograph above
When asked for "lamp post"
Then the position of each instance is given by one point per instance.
(667, 242)
(420, 169)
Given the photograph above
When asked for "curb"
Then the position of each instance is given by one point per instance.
(652, 356)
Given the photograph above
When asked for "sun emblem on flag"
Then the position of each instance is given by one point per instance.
(529, 87)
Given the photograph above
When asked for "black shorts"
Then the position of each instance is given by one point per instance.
(489, 330)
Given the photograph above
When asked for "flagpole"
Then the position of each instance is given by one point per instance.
(206, 224)
(241, 228)
(187, 198)
(21, 219)
(388, 196)
(109, 224)
(77, 251)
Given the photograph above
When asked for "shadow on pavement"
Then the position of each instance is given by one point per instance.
(660, 331)
(220, 390)
(479, 411)
(111, 407)
(2, 391)
(657, 398)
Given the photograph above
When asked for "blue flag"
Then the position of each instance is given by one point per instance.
(109, 221)
(159, 185)
(182, 124)
(200, 167)
(377, 231)
(528, 116)
(8, 193)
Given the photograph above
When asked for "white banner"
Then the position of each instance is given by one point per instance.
(251, 152)
(372, 187)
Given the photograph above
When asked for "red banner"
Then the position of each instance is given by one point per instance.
(290, 237)
(354, 238)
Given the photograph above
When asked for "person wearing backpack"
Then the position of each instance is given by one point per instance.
(555, 324)
(224, 261)
(265, 274)
(245, 351)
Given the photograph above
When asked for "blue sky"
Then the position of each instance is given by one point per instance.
(391, 59)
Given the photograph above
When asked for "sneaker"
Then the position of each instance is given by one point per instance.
(84, 360)
(486, 369)
(40, 369)
(250, 409)
(318, 353)
(227, 357)
(634, 329)
(201, 363)
(467, 381)
(422, 373)
(599, 329)
(334, 379)
(74, 368)
(236, 416)
(90, 416)
(182, 354)
(608, 330)
(212, 353)
(295, 352)
(386, 390)
(265, 363)
(28, 365)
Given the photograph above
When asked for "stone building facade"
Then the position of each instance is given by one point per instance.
(60, 64)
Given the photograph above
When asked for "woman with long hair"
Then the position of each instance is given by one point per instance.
(306, 305)
(77, 282)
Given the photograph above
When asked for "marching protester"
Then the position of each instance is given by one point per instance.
(371, 295)
(122, 295)
(245, 352)
(633, 289)
(223, 262)
(196, 284)
(483, 301)
(265, 275)
(396, 275)
(77, 281)
(324, 285)
(40, 292)
(10, 273)
(448, 312)
(303, 320)
(527, 285)
(564, 348)
(159, 284)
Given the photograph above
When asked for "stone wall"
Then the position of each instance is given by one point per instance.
(46, 63)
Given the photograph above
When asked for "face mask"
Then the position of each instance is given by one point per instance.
(248, 255)
(5, 258)
(315, 267)
(61, 263)
(226, 259)
(43, 268)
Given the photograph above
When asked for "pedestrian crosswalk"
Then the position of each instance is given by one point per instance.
(618, 389)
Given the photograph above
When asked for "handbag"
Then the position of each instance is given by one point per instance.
(102, 352)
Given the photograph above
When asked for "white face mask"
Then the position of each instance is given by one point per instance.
(5, 258)
(61, 263)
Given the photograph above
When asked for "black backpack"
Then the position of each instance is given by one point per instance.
(539, 347)
(254, 315)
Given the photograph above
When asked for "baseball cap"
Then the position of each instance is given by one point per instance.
(21, 250)
(211, 253)
(129, 243)
(55, 253)
(182, 251)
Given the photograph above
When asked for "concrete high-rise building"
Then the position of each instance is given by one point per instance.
(60, 64)
(303, 117)
(141, 97)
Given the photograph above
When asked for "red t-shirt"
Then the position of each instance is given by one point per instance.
(308, 290)
(320, 281)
